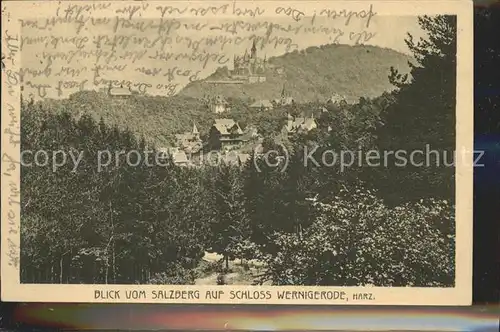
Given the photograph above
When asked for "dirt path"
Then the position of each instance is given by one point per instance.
(210, 280)
(242, 274)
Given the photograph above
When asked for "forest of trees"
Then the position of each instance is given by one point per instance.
(307, 225)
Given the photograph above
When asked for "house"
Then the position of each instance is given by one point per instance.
(218, 104)
(262, 105)
(225, 134)
(179, 157)
(256, 79)
(119, 92)
(189, 142)
(300, 124)
(335, 99)
(280, 70)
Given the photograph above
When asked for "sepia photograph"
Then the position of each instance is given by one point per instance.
(237, 152)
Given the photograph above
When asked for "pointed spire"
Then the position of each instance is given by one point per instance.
(195, 129)
(254, 50)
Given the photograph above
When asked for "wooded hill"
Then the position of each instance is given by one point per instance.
(315, 74)
(312, 75)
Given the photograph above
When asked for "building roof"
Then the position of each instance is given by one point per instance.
(335, 98)
(262, 104)
(180, 157)
(184, 137)
(243, 157)
(224, 126)
(189, 142)
(120, 92)
(284, 100)
(309, 123)
(300, 123)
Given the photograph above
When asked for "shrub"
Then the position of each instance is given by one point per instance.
(221, 279)
(176, 275)
(357, 240)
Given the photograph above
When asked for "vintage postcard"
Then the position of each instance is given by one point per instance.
(239, 152)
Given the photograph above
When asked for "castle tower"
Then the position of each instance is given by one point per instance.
(254, 51)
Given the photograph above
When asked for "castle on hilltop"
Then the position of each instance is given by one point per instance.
(249, 66)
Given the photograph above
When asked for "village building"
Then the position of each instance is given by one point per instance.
(279, 70)
(300, 124)
(261, 105)
(120, 92)
(284, 99)
(218, 104)
(225, 134)
(178, 157)
(189, 142)
(336, 99)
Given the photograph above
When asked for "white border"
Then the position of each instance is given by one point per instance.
(461, 294)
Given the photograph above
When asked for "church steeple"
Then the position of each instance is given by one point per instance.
(195, 129)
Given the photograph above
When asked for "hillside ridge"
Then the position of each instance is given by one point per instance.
(355, 71)
(309, 76)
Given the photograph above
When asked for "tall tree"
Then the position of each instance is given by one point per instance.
(230, 226)
(423, 115)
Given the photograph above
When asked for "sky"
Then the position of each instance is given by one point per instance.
(38, 51)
